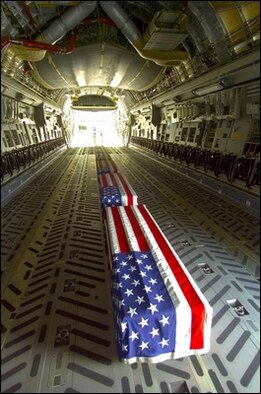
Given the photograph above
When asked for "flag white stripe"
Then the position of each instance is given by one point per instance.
(114, 244)
(124, 192)
(108, 179)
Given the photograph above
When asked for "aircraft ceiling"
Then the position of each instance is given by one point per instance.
(110, 48)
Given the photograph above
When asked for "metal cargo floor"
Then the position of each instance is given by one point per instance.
(57, 324)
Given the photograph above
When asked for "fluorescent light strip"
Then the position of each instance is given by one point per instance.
(209, 89)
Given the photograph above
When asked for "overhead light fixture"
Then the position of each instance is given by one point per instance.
(209, 89)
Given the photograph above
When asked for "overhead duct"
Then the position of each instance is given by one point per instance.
(56, 3)
(130, 31)
(16, 8)
(68, 21)
(57, 30)
(197, 33)
(214, 30)
(166, 31)
(73, 16)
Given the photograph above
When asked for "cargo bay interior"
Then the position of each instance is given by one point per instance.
(169, 91)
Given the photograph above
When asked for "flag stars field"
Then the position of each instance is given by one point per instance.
(140, 296)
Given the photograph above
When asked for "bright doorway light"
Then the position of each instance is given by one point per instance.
(94, 128)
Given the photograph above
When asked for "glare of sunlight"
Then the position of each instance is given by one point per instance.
(94, 128)
(116, 80)
(81, 78)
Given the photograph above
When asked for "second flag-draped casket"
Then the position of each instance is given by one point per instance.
(116, 190)
(102, 155)
(106, 166)
(160, 313)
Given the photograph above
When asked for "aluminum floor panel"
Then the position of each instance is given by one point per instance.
(57, 323)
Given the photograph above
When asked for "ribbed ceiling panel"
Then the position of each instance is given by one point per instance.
(98, 65)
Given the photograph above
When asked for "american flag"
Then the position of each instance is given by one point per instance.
(160, 313)
(105, 166)
(102, 156)
(110, 196)
(116, 190)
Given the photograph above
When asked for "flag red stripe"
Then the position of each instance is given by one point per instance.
(126, 188)
(104, 182)
(121, 235)
(139, 234)
(197, 306)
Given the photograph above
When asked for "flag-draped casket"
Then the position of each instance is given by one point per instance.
(106, 166)
(102, 155)
(160, 312)
(116, 190)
